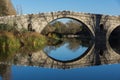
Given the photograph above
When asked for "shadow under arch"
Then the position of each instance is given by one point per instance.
(91, 32)
(113, 40)
(110, 30)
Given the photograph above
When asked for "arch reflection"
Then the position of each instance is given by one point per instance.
(68, 49)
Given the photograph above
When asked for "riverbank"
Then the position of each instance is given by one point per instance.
(16, 40)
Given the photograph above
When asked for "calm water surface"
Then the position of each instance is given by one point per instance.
(67, 50)
(106, 72)
(70, 59)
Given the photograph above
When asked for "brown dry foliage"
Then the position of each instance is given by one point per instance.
(6, 8)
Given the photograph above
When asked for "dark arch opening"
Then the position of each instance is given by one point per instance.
(114, 39)
(29, 27)
(101, 27)
(79, 36)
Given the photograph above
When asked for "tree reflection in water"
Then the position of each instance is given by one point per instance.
(5, 71)
(72, 47)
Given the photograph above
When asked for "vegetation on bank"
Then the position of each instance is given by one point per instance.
(32, 41)
(11, 39)
(14, 42)
(9, 44)
(71, 28)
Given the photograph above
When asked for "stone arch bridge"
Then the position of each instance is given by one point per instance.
(100, 26)
(38, 22)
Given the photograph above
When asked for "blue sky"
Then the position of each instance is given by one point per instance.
(110, 7)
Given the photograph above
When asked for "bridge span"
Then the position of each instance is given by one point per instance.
(100, 26)
(94, 22)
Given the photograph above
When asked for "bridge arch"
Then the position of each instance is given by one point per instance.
(88, 27)
(110, 30)
(109, 33)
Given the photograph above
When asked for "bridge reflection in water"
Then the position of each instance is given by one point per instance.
(98, 51)
(102, 49)
(92, 57)
(95, 56)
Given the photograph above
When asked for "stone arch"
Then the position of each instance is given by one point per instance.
(88, 27)
(110, 30)
(109, 49)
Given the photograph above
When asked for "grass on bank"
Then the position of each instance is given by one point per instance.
(10, 43)
(33, 41)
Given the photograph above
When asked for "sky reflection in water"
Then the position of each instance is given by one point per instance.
(63, 53)
(105, 72)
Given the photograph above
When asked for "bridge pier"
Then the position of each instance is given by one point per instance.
(100, 40)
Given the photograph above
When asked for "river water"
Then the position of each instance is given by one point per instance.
(67, 59)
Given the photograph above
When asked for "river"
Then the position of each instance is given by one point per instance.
(66, 59)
